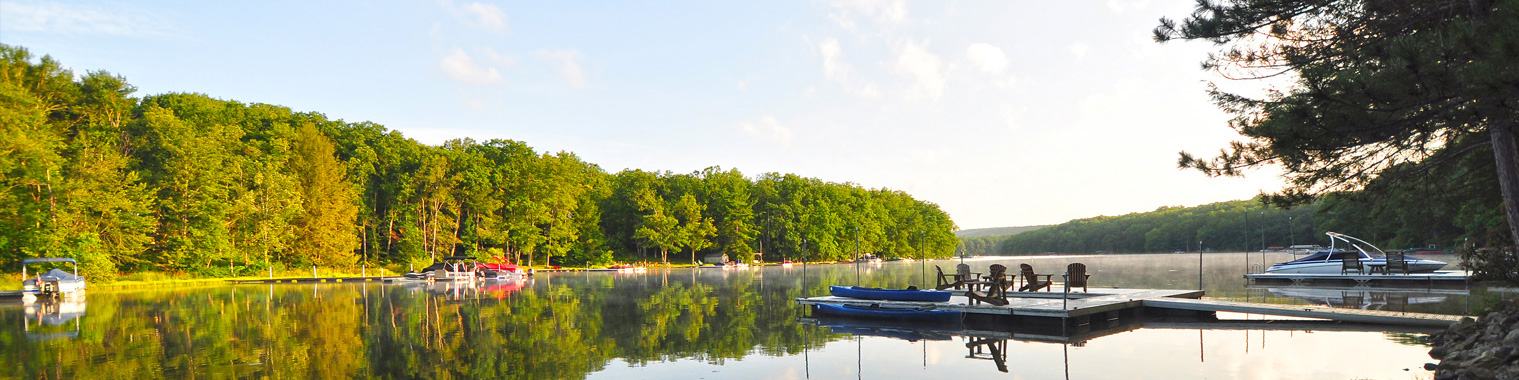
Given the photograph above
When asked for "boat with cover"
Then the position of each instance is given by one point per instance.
(53, 283)
(452, 268)
(1342, 247)
(920, 313)
(889, 294)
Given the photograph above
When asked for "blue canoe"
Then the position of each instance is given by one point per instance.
(889, 294)
(880, 312)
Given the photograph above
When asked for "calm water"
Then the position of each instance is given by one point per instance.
(692, 324)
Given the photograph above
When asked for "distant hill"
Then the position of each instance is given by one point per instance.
(995, 231)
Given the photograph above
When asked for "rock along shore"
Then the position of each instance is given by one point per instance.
(1485, 348)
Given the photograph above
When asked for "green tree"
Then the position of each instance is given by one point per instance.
(696, 230)
(1376, 86)
(656, 228)
(326, 231)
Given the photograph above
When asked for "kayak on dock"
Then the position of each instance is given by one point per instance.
(889, 294)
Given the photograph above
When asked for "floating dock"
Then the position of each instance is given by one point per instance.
(1112, 304)
(1436, 278)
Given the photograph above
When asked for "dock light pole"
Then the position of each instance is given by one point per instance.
(1199, 265)
(1291, 233)
(1247, 240)
(922, 262)
(1263, 240)
(857, 256)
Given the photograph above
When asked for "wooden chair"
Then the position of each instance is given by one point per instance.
(945, 281)
(1349, 261)
(1031, 281)
(996, 287)
(1395, 263)
(1076, 275)
(963, 273)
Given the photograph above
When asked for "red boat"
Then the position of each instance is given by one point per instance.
(501, 267)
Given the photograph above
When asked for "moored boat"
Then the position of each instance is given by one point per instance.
(52, 283)
(1345, 247)
(888, 312)
(889, 294)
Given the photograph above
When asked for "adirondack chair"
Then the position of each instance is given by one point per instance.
(1349, 261)
(1030, 280)
(945, 281)
(1076, 275)
(996, 285)
(963, 273)
(1395, 263)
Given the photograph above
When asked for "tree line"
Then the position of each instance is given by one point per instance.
(188, 183)
(1244, 225)
(1460, 214)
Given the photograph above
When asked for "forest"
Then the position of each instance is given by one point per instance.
(187, 183)
(1458, 216)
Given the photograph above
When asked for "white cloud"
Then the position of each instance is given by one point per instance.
(568, 64)
(922, 65)
(1079, 49)
(769, 129)
(478, 15)
(986, 57)
(834, 67)
(501, 59)
(887, 13)
(459, 66)
(743, 85)
(486, 16)
(474, 104)
(80, 19)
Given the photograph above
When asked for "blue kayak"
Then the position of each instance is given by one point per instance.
(889, 294)
(887, 312)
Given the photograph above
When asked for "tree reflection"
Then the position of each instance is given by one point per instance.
(323, 331)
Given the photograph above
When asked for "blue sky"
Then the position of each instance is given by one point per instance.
(1003, 113)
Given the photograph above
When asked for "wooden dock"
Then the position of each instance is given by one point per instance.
(1321, 312)
(1444, 277)
(1110, 303)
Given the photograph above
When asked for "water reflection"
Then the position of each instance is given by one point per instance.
(53, 318)
(669, 324)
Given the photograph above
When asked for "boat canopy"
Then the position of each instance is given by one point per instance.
(49, 260)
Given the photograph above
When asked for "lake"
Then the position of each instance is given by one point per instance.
(695, 324)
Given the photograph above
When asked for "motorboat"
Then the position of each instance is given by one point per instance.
(53, 283)
(502, 268)
(889, 294)
(1342, 247)
(452, 268)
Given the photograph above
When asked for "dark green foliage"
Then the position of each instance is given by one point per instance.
(1225, 226)
(187, 182)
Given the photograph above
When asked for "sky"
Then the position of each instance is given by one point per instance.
(1003, 113)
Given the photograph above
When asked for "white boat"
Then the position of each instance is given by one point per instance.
(54, 283)
(1341, 247)
(452, 268)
